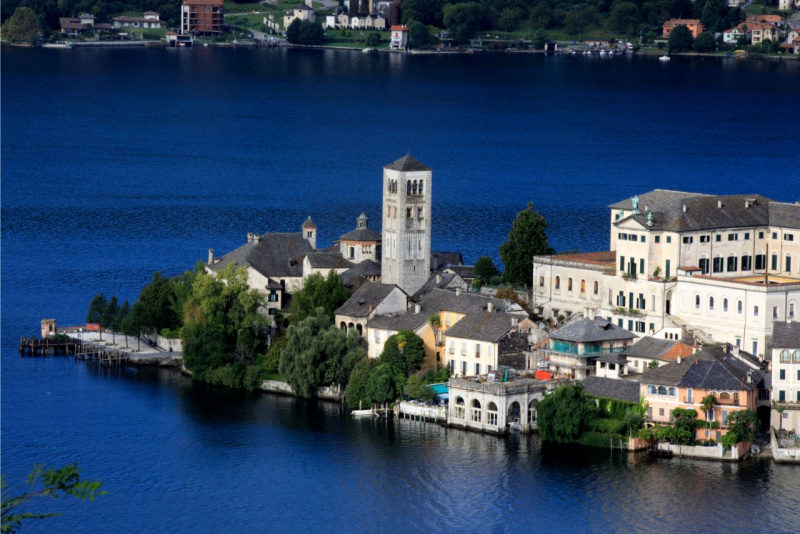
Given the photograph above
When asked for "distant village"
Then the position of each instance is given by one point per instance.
(695, 299)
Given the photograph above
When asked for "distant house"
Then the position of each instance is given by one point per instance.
(202, 17)
(300, 12)
(788, 5)
(369, 300)
(732, 35)
(650, 349)
(694, 25)
(575, 348)
(786, 375)
(148, 20)
(685, 383)
(399, 37)
(72, 27)
(775, 20)
(759, 31)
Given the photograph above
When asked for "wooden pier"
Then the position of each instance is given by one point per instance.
(67, 346)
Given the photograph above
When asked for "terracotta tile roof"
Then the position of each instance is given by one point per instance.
(399, 28)
(593, 258)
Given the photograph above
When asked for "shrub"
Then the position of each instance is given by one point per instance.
(609, 426)
(602, 439)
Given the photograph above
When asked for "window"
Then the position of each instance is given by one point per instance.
(761, 235)
(733, 237)
(718, 264)
(477, 369)
(704, 238)
(458, 410)
(408, 187)
(596, 288)
(747, 262)
(640, 302)
(774, 235)
(662, 391)
(541, 281)
(755, 347)
(697, 302)
(669, 239)
(781, 396)
(718, 238)
(622, 263)
(774, 265)
(491, 414)
(475, 411)
(724, 305)
(704, 265)
(641, 265)
(783, 374)
(739, 308)
(785, 358)
(761, 261)
(755, 311)
(477, 351)
(569, 284)
(788, 268)
(408, 213)
(711, 303)
(788, 237)
(746, 236)
(583, 286)
(558, 282)
(377, 335)
(630, 325)
(791, 310)
(642, 239)
(464, 353)
(352, 252)
(688, 240)
(732, 263)
(658, 239)
(774, 312)
(796, 356)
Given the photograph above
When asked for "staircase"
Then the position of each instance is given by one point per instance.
(694, 335)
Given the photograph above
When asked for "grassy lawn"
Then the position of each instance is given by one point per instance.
(355, 39)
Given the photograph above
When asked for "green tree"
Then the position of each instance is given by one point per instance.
(418, 35)
(680, 40)
(404, 351)
(705, 42)
(485, 269)
(44, 482)
(317, 292)
(538, 39)
(384, 384)
(565, 414)
(132, 325)
(624, 18)
(156, 299)
(318, 354)
(416, 389)
(293, 32)
(527, 238)
(311, 33)
(742, 426)
(707, 403)
(373, 39)
(119, 319)
(95, 314)
(463, 20)
(576, 22)
(108, 316)
(22, 26)
(652, 365)
(428, 12)
(509, 18)
(356, 392)
(684, 426)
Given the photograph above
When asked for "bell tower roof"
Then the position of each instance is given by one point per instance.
(309, 223)
(407, 163)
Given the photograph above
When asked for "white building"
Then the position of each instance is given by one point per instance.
(399, 37)
(786, 375)
(300, 12)
(723, 268)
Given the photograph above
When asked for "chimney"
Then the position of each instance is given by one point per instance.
(719, 203)
(746, 203)
(490, 307)
(438, 278)
(256, 238)
(514, 322)
(417, 308)
(680, 359)
(750, 377)
(249, 237)
(685, 209)
(211, 256)
(458, 291)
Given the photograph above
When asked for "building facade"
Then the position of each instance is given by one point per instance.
(202, 17)
(786, 376)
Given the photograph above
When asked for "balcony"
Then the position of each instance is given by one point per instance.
(786, 405)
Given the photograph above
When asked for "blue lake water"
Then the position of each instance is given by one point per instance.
(118, 163)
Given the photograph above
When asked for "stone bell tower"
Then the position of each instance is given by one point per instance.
(406, 243)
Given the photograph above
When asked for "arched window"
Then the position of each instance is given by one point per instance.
(774, 266)
(596, 288)
(724, 305)
(785, 356)
(673, 392)
(359, 329)
(796, 356)
(733, 264)
(761, 261)
(788, 263)
(569, 284)
(662, 390)
(343, 326)
(558, 282)
(532, 411)
(421, 189)
(651, 390)
(791, 309)
(458, 409)
(711, 303)
(408, 187)
(697, 302)
(724, 397)
(414, 188)
(739, 307)
(491, 414)
(704, 264)
(475, 411)
(747, 262)
(419, 213)
(408, 213)
(583, 286)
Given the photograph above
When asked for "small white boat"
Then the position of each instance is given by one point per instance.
(663, 58)
(367, 50)
(361, 413)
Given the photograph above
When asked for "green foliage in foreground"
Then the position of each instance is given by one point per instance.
(327, 293)
(602, 440)
(22, 26)
(416, 389)
(527, 238)
(566, 414)
(45, 483)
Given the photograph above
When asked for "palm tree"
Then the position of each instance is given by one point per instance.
(780, 409)
(707, 403)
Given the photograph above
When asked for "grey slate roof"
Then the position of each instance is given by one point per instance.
(369, 295)
(650, 347)
(591, 331)
(786, 215)
(328, 258)
(657, 197)
(487, 326)
(703, 213)
(276, 255)
(785, 335)
(432, 303)
(361, 234)
(712, 369)
(440, 260)
(309, 223)
(614, 357)
(407, 163)
(431, 283)
(611, 388)
(467, 272)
